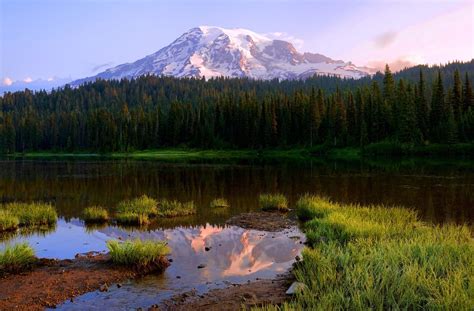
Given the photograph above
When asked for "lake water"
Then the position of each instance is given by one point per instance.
(440, 192)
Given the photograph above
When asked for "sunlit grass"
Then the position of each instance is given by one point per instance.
(141, 205)
(273, 202)
(173, 208)
(381, 258)
(142, 255)
(95, 214)
(219, 203)
(8, 221)
(132, 218)
(32, 214)
(16, 258)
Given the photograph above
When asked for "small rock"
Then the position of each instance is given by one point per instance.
(104, 287)
(297, 258)
(295, 288)
(170, 259)
(71, 300)
(178, 277)
(119, 285)
(207, 248)
(201, 266)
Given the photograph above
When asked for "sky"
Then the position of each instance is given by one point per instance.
(52, 39)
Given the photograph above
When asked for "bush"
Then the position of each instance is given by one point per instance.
(168, 208)
(33, 214)
(141, 205)
(16, 258)
(273, 202)
(95, 214)
(219, 203)
(144, 256)
(8, 221)
(132, 218)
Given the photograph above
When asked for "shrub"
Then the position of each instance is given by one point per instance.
(141, 205)
(33, 214)
(95, 214)
(132, 218)
(8, 221)
(16, 258)
(144, 256)
(173, 208)
(219, 203)
(272, 202)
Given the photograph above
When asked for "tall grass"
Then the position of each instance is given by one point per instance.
(142, 255)
(273, 202)
(381, 258)
(132, 218)
(173, 208)
(8, 221)
(16, 258)
(32, 214)
(141, 205)
(95, 214)
(219, 203)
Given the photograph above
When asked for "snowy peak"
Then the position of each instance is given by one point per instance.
(208, 51)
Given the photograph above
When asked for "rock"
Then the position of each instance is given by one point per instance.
(119, 285)
(104, 287)
(170, 260)
(178, 277)
(295, 288)
(207, 248)
(201, 266)
(297, 258)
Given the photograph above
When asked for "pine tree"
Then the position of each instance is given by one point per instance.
(422, 109)
(438, 109)
(468, 99)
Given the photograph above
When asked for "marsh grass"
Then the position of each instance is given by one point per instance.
(16, 258)
(8, 221)
(381, 258)
(219, 203)
(32, 214)
(141, 205)
(132, 218)
(95, 214)
(144, 256)
(173, 208)
(273, 202)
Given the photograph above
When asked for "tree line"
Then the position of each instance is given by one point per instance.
(154, 112)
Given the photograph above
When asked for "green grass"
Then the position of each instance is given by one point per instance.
(381, 258)
(219, 203)
(142, 255)
(95, 214)
(141, 205)
(132, 218)
(8, 221)
(173, 208)
(32, 214)
(273, 202)
(16, 258)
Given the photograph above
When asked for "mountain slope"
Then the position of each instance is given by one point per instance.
(208, 52)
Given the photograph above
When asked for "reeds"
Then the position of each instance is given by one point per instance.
(95, 214)
(16, 258)
(219, 203)
(273, 202)
(173, 208)
(30, 214)
(8, 221)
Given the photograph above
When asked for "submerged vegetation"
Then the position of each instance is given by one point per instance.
(173, 208)
(16, 258)
(378, 257)
(273, 202)
(17, 214)
(219, 203)
(142, 255)
(95, 214)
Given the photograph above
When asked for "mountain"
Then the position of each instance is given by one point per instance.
(208, 52)
(34, 85)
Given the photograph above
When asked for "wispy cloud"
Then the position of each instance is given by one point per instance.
(7, 81)
(28, 80)
(396, 64)
(383, 40)
(101, 66)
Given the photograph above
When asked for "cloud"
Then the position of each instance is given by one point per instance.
(297, 42)
(28, 80)
(396, 64)
(385, 39)
(98, 67)
(7, 81)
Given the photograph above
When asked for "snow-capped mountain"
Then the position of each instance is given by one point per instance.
(208, 52)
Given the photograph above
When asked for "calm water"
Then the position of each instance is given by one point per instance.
(440, 192)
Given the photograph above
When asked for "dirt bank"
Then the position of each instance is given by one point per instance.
(235, 297)
(51, 282)
(264, 221)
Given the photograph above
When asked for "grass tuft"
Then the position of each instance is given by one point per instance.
(273, 202)
(16, 258)
(32, 214)
(141, 205)
(219, 203)
(145, 256)
(8, 221)
(132, 218)
(95, 214)
(173, 208)
(310, 206)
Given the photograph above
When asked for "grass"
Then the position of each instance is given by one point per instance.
(8, 221)
(219, 203)
(141, 205)
(173, 208)
(16, 258)
(132, 218)
(32, 214)
(273, 202)
(141, 255)
(95, 214)
(381, 258)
